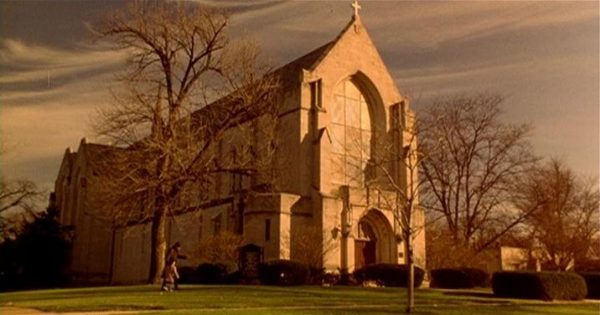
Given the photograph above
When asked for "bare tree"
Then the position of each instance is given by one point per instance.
(313, 244)
(18, 199)
(392, 174)
(396, 178)
(17, 203)
(165, 119)
(472, 161)
(220, 248)
(567, 222)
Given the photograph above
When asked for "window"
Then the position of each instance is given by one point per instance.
(350, 131)
(267, 229)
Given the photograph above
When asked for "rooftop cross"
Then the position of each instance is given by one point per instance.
(356, 7)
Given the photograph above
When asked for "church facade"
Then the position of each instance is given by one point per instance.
(340, 110)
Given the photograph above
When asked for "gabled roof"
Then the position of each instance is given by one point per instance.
(288, 73)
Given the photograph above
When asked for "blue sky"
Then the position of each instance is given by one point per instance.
(543, 56)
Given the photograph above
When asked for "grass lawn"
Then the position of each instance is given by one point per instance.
(198, 299)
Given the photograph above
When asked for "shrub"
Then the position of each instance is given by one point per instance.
(39, 255)
(208, 273)
(539, 285)
(592, 280)
(234, 277)
(461, 278)
(283, 272)
(391, 275)
(187, 275)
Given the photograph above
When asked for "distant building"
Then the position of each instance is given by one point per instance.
(338, 94)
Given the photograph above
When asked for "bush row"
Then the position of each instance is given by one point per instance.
(277, 272)
(539, 285)
(389, 275)
(287, 272)
(592, 280)
(458, 278)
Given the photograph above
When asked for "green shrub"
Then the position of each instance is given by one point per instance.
(211, 273)
(283, 272)
(458, 278)
(539, 285)
(390, 275)
(592, 280)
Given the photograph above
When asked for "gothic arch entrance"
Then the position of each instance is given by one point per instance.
(374, 242)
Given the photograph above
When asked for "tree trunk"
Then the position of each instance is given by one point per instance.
(411, 273)
(158, 247)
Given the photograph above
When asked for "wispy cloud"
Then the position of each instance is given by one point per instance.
(48, 96)
(35, 73)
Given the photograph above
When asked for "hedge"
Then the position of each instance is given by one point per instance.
(592, 280)
(390, 275)
(458, 278)
(283, 272)
(208, 273)
(187, 275)
(539, 285)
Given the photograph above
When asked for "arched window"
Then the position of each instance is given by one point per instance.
(350, 130)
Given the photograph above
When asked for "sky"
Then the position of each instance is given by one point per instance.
(542, 56)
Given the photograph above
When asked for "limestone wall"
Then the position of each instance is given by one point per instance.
(132, 254)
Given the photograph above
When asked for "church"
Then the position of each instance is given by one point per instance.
(340, 111)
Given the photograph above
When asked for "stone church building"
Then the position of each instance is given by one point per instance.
(341, 109)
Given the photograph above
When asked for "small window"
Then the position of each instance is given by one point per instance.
(315, 94)
(267, 229)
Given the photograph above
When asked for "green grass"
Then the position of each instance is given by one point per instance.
(195, 299)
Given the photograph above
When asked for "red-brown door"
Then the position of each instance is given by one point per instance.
(364, 253)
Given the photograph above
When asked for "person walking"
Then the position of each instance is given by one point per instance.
(170, 276)
(173, 254)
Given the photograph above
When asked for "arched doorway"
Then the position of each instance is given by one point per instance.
(374, 241)
(365, 245)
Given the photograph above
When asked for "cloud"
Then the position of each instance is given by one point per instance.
(41, 116)
(32, 73)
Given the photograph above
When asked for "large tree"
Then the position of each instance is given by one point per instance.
(185, 87)
(564, 228)
(472, 161)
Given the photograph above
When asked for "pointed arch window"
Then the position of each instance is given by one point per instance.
(350, 130)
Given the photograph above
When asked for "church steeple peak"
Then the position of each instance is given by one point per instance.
(356, 7)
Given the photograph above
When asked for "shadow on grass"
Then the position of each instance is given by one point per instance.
(483, 295)
(479, 296)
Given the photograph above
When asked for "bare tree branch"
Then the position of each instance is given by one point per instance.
(188, 92)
